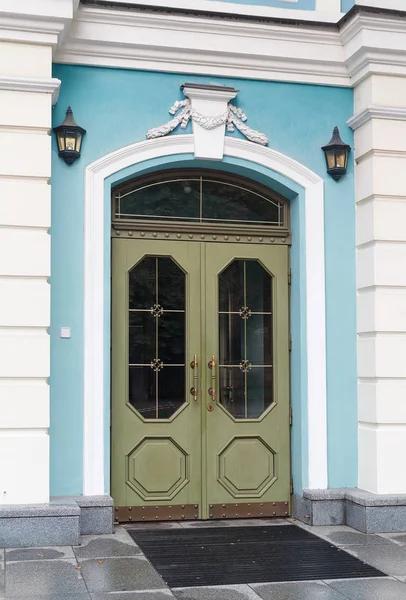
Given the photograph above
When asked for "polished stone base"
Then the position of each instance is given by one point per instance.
(364, 511)
(96, 514)
(59, 523)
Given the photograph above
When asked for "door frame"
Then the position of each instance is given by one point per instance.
(97, 255)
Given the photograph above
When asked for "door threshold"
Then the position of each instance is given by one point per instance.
(209, 523)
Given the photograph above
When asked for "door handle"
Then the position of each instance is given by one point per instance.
(212, 389)
(194, 390)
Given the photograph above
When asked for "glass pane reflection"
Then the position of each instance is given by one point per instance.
(246, 396)
(156, 337)
(178, 199)
(245, 339)
(224, 201)
(203, 198)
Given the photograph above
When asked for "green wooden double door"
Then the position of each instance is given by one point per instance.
(200, 380)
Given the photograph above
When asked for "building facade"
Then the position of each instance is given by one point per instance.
(196, 320)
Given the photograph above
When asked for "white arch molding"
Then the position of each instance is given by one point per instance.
(94, 342)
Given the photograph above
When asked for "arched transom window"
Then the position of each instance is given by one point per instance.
(203, 199)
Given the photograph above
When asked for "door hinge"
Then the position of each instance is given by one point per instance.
(290, 416)
(290, 342)
(289, 276)
(291, 485)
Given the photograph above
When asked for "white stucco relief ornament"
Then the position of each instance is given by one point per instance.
(211, 112)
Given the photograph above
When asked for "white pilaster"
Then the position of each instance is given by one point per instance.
(27, 89)
(380, 154)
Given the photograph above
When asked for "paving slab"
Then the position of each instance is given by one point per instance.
(301, 590)
(46, 577)
(370, 589)
(120, 575)
(140, 595)
(348, 537)
(120, 533)
(218, 592)
(342, 535)
(397, 538)
(53, 597)
(390, 559)
(103, 547)
(47, 553)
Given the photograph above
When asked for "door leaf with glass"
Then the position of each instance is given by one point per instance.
(246, 328)
(156, 416)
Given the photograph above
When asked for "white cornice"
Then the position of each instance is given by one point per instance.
(394, 113)
(366, 43)
(35, 21)
(374, 44)
(205, 46)
(24, 84)
(34, 31)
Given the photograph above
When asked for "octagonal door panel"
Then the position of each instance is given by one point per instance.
(247, 331)
(156, 421)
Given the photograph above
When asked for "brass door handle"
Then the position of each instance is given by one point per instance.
(194, 390)
(212, 389)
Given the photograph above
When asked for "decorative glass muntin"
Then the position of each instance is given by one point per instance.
(199, 197)
(245, 339)
(156, 337)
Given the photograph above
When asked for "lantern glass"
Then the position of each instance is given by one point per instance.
(78, 142)
(341, 159)
(61, 141)
(70, 140)
(331, 159)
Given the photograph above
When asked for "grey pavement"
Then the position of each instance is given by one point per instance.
(112, 567)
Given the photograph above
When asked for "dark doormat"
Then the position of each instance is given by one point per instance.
(231, 555)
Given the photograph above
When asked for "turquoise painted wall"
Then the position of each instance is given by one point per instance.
(300, 4)
(117, 107)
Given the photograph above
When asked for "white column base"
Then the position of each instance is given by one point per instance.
(24, 467)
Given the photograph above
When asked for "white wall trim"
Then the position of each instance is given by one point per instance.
(30, 84)
(94, 342)
(373, 111)
(368, 43)
(160, 41)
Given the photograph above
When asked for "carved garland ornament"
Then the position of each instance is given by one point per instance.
(233, 117)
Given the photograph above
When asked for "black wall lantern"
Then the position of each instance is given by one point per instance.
(69, 137)
(336, 153)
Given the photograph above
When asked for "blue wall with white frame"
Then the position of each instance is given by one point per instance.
(117, 107)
